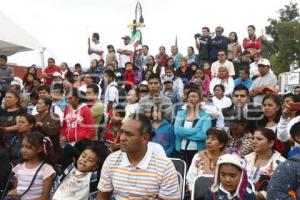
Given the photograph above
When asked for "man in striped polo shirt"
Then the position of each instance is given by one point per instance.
(136, 171)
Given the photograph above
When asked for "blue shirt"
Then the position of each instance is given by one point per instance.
(248, 83)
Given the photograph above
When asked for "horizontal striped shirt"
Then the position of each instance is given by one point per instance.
(25, 176)
(153, 178)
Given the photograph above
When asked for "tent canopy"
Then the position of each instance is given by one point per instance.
(14, 39)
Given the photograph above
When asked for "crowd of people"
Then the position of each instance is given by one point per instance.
(109, 131)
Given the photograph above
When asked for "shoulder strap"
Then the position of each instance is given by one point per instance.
(32, 181)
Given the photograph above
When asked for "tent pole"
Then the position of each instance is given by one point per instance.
(42, 58)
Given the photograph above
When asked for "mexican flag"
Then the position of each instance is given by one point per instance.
(136, 39)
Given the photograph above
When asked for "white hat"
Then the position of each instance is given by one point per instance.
(144, 83)
(264, 61)
(57, 74)
(235, 159)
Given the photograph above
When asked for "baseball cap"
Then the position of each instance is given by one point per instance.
(144, 83)
(272, 90)
(264, 62)
(167, 80)
(126, 37)
(57, 74)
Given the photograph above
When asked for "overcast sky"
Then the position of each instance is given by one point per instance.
(63, 26)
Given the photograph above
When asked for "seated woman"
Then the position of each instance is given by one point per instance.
(79, 181)
(25, 124)
(163, 130)
(201, 79)
(47, 122)
(240, 138)
(219, 100)
(191, 125)
(204, 162)
(231, 181)
(224, 79)
(8, 114)
(263, 161)
(78, 120)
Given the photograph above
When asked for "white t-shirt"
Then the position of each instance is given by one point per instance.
(96, 47)
(192, 145)
(225, 102)
(76, 186)
(111, 94)
(124, 58)
(227, 64)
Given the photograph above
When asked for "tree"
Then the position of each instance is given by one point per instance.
(284, 48)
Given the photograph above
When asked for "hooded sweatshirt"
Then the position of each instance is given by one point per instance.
(78, 124)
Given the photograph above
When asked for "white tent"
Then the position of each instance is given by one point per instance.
(14, 39)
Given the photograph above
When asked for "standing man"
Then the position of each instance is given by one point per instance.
(126, 52)
(136, 171)
(95, 50)
(6, 76)
(202, 44)
(176, 56)
(162, 58)
(49, 71)
(145, 54)
(217, 43)
(111, 96)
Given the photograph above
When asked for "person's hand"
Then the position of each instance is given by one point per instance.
(114, 147)
(39, 124)
(286, 111)
(62, 141)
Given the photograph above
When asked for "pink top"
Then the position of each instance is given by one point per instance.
(25, 176)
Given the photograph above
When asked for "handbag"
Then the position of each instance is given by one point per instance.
(19, 197)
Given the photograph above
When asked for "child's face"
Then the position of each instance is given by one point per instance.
(206, 66)
(168, 86)
(28, 151)
(128, 67)
(56, 95)
(33, 101)
(87, 161)
(116, 118)
(132, 97)
(230, 176)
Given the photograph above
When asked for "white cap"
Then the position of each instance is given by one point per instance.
(57, 74)
(264, 61)
(144, 83)
(234, 159)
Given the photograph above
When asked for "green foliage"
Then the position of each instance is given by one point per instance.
(284, 48)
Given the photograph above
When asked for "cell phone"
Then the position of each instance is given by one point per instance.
(295, 106)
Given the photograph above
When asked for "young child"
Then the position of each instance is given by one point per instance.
(112, 130)
(79, 181)
(295, 134)
(163, 131)
(129, 76)
(206, 69)
(132, 103)
(38, 155)
(231, 181)
(57, 94)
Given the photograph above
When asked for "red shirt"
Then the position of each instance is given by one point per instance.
(49, 71)
(110, 136)
(78, 124)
